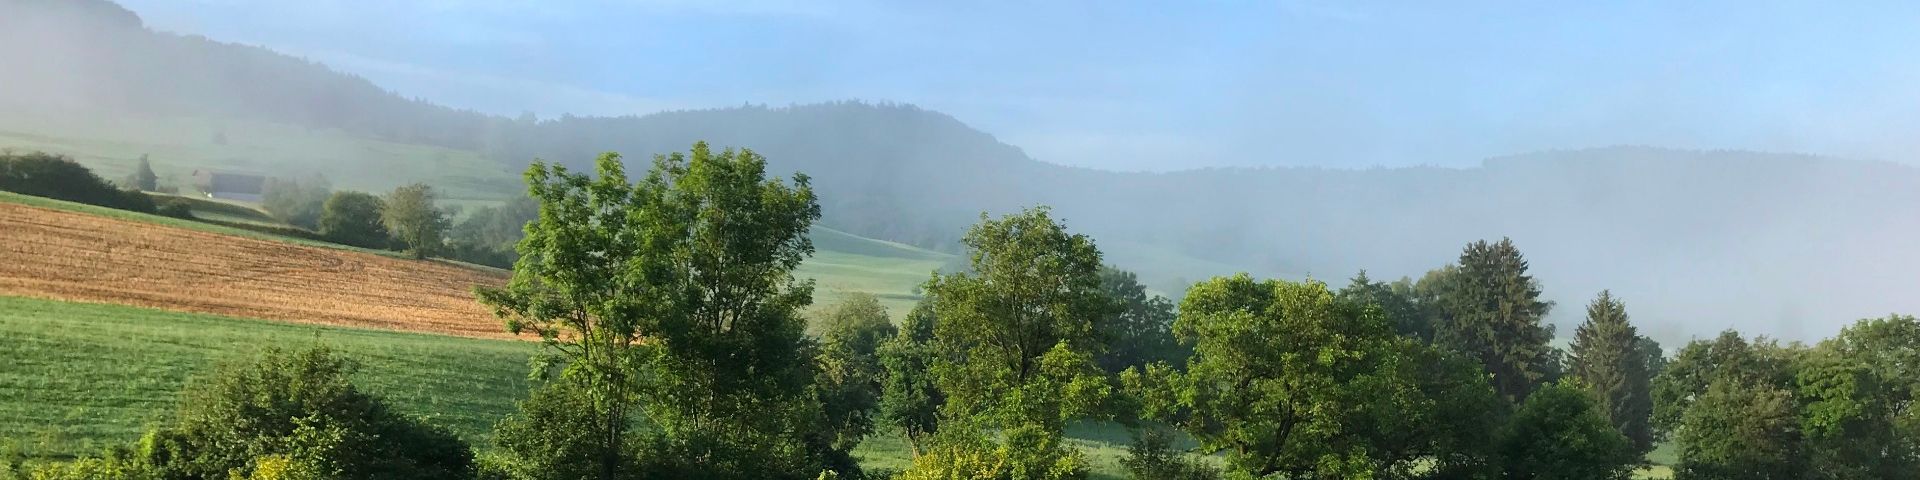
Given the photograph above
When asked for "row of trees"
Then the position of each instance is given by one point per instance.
(407, 218)
(676, 348)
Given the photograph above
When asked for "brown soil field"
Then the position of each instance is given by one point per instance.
(79, 257)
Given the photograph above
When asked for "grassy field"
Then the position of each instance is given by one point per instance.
(890, 271)
(177, 146)
(81, 377)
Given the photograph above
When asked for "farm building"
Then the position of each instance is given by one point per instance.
(229, 185)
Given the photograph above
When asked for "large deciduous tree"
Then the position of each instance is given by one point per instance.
(675, 295)
(1607, 358)
(1015, 344)
(1141, 331)
(354, 218)
(1287, 380)
(1494, 313)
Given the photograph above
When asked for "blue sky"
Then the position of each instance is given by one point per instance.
(1162, 85)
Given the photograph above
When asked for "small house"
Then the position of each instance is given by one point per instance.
(230, 185)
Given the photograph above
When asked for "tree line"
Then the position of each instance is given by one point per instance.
(676, 347)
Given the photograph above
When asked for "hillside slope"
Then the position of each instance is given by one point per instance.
(1694, 241)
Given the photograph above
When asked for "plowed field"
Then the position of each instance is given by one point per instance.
(79, 257)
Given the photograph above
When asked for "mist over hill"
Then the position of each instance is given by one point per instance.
(1693, 241)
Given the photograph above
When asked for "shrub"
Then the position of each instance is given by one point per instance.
(58, 177)
(550, 437)
(353, 218)
(1152, 457)
(175, 207)
(1557, 433)
(300, 406)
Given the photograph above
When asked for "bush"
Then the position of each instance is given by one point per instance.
(300, 407)
(58, 177)
(1557, 433)
(551, 437)
(353, 218)
(1152, 457)
(175, 207)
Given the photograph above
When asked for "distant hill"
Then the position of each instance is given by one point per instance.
(1694, 241)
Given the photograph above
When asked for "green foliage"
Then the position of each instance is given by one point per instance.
(301, 405)
(1702, 363)
(849, 382)
(910, 400)
(1494, 312)
(1141, 332)
(58, 177)
(1287, 380)
(557, 434)
(487, 236)
(1608, 359)
(354, 218)
(1398, 301)
(298, 202)
(498, 227)
(697, 259)
(850, 377)
(1741, 409)
(1740, 429)
(1560, 433)
(1014, 342)
(1152, 457)
(413, 218)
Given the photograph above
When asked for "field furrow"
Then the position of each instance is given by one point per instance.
(75, 256)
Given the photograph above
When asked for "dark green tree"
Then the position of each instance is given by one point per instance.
(910, 401)
(1495, 313)
(697, 259)
(1015, 343)
(1142, 331)
(59, 177)
(143, 178)
(1397, 301)
(1559, 433)
(1607, 359)
(354, 218)
(411, 214)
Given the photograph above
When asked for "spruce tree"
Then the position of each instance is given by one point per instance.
(1494, 313)
(1608, 358)
(143, 178)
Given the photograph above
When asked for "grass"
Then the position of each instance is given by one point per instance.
(178, 146)
(82, 377)
(892, 272)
